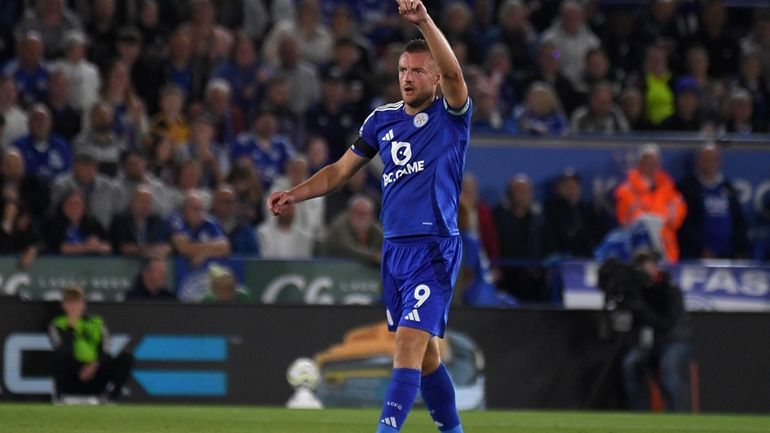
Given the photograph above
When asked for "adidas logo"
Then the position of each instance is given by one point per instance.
(391, 421)
(388, 136)
(414, 316)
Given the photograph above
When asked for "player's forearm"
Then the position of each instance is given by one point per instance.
(442, 53)
(325, 181)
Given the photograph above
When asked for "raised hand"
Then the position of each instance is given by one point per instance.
(412, 11)
(278, 201)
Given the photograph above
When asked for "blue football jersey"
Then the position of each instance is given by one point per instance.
(424, 158)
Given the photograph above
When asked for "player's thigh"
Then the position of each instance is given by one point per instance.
(411, 344)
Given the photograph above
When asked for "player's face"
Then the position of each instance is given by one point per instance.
(417, 78)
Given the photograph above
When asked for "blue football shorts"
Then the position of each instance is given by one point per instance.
(418, 276)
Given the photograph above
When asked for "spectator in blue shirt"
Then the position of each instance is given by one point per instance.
(715, 226)
(72, 231)
(196, 237)
(541, 114)
(243, 237)
(44, 154)
(244, 73)
(269, 152)
(28, 71)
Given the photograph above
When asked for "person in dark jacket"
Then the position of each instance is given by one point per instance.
(715, 226)
(150, 284)
(73, 231)
(81, 361)
(570, 224)
(663, 330)
(519, 226)
(138, 232)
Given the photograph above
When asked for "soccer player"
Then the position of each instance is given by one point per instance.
(422, 142)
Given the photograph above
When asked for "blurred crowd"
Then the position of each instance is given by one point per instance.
(145, 128)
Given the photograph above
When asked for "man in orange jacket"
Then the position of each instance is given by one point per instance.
(649, 194)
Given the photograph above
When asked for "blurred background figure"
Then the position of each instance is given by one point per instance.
(150, 283)
(356, 234)
(223, 287)
(82, 362)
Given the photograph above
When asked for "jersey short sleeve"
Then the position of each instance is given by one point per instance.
(366, 145)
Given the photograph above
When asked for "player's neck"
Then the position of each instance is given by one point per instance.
(412, 110)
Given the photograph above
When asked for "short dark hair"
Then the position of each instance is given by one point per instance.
(416, 46)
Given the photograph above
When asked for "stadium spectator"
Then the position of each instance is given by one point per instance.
(649, 195)
(601, 115)
(146, 69)
(571, 225)
(138, 232)
(44, 154)
(189, 177)
(665, 25)
(632, 106)
(244, 73)
(541, 114)
(598, 70)
(519, 227)
(130, 119)
(160, 158)
(281, 238)
(15, 120)
(314, 40)
(180, 67)
(258, 17)
(481, 219)
(547, 71)
(18, 235)
(308, 215)
(343, 25)
(228, 118)
(150, 283)
(516, 32)
(134, 174)
(82, 75)
(102, 27)
(356, 234)
(688, 116)
(358, 184)
(573, 38)
(82, 363)
(28, 71)
(487, 116)
(663, 331)
(621, 41)
(501, 78)
(302, 77)
(656, 85)
(722, 47)
(72, 231)
(317, 154)
(277, 100)
(52, 20)
(196, 237)
(100, 140)
(224, 287)
(101, 195)
(359, 88)
(210, 41)
(242, 236)
(475, 282)
(711, 91)
(213, 158)
(153, 34)
(758, 40)
(269, 153)
(740, 115)
(32, 194)
(456, 22)
(170, 120)
(332, 118)
(753, 81)
(248, 191)
(66, 119)
(715, 226)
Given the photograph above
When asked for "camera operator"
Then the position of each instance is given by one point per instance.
(661, 329)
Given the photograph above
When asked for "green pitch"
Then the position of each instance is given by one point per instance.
(39, 418)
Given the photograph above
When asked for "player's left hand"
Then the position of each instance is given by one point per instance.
(412, 11)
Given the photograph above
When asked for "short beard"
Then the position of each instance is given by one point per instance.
(418, 102)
